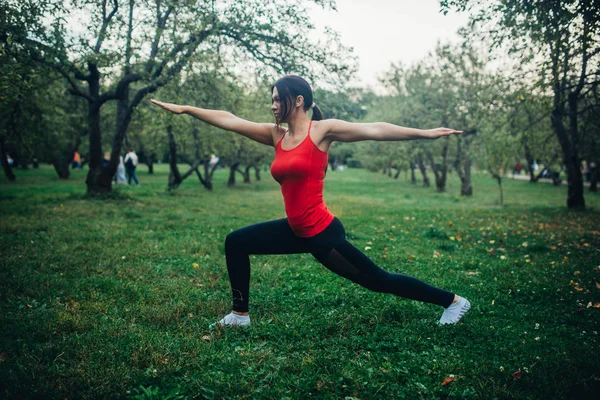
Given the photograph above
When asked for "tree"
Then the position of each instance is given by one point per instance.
(152, 42)
(565, 36)
(496, 154)
(22, 85)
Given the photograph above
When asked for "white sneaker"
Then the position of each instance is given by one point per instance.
(455, 311)
(232, 319)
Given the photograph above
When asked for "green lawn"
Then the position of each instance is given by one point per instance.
(103, 298)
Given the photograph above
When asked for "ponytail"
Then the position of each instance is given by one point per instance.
(317, 115)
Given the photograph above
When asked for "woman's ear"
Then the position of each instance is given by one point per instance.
(300, 101)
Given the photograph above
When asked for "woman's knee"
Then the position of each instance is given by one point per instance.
(235, 240)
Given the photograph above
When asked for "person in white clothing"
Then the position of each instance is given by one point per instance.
(120, 175)
(131, 163)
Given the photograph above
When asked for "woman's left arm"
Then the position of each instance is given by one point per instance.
(342, 131)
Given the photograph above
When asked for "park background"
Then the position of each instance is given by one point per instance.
(108, 289)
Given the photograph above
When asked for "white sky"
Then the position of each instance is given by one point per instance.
(386, 31)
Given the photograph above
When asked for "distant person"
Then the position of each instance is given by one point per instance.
(36, 163)
(131, 163)
(299, 167)
(76, 160)
(119, 177)
(106, 159)
(214, 160)
(517, 170)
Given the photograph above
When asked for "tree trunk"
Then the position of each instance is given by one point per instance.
(246, 174)
(423, 170)
(413, 178)
(256, 173)
(207, 180)
(397, 173)
(530, 162)
(571, 161)
(5, 166)
(462, 165)
(98, 181)
(466, 188)
(175, 178)
(499, 180)
(440, 174)
(232, 169)
(61, 166)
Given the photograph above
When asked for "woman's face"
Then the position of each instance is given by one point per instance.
(276, 103)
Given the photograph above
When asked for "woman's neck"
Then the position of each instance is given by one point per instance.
(297, 124)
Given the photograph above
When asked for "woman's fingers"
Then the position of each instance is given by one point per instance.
(166, 106)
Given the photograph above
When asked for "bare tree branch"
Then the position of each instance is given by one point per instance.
(105, 23)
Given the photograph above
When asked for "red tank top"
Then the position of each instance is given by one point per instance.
(300, 172)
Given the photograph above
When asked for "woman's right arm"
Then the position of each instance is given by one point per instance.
(260, 132)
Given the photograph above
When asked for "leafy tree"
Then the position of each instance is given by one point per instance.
(560, 40)
(134, 47)
(21, 84)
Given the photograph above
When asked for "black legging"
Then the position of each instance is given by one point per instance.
(330, 248)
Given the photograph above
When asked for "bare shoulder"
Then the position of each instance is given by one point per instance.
(319, 132)
(277, 132)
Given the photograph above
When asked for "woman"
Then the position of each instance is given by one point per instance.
(299, 167)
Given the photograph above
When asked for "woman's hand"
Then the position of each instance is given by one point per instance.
(439, 132)
(174, 108)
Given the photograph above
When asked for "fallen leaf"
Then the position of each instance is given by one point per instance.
(435, 254)
(517, 374)
(367, 248)
(448, 380)
(320, 384)
(207, 338)
(597, 285)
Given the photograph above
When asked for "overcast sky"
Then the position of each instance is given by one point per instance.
(386, 31)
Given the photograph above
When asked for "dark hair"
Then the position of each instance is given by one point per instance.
(290, 87)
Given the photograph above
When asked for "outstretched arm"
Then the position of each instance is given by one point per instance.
(260, 132)
(342, 131)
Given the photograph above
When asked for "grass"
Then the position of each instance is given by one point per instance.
(101, 298)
